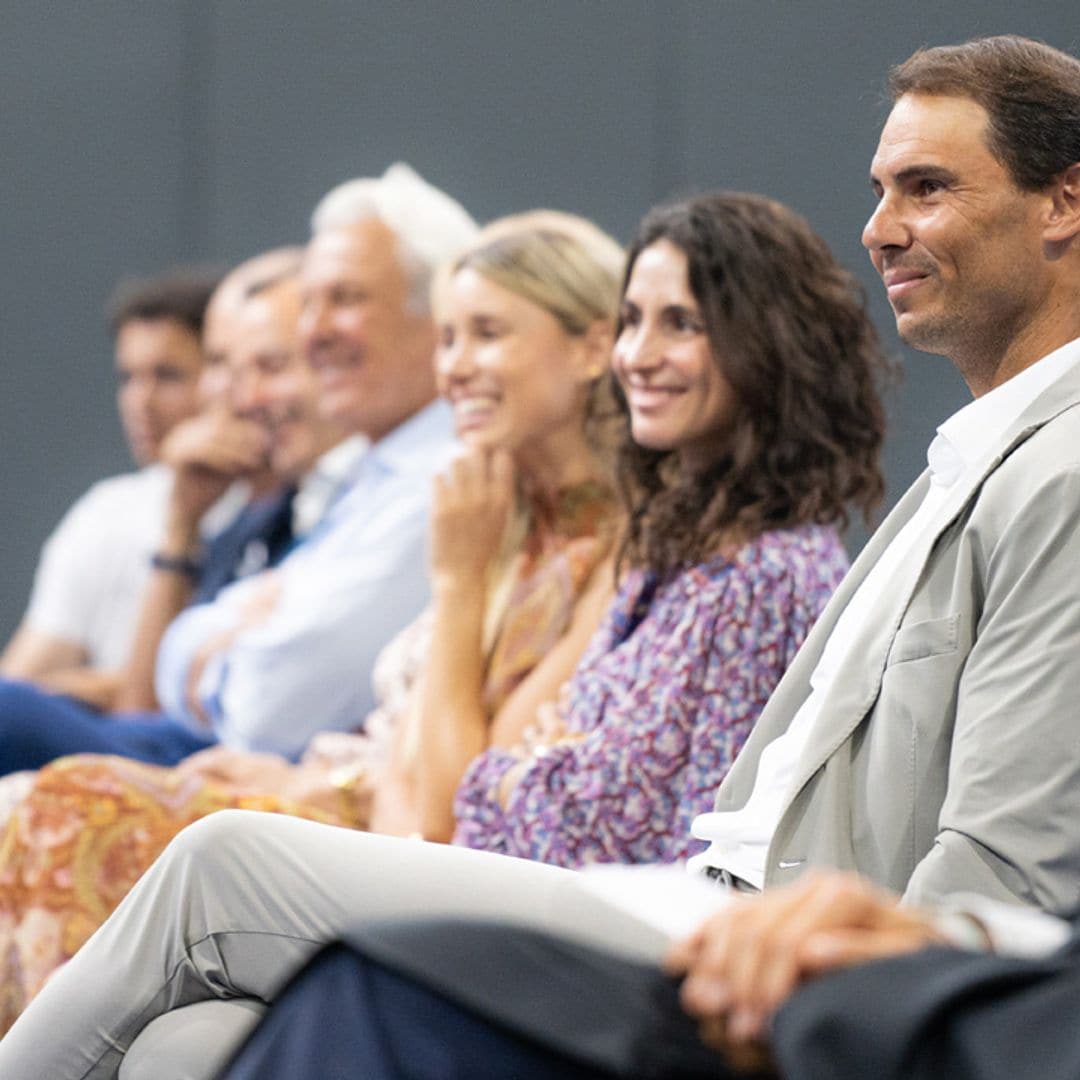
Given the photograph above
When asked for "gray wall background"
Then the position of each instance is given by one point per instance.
(140, 133)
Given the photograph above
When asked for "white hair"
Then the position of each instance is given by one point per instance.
(430, 226)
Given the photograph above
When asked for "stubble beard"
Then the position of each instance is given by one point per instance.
(974, 345)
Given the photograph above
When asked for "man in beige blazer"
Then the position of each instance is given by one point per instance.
(944, 748)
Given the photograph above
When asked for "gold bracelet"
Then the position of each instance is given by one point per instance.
(345, 779)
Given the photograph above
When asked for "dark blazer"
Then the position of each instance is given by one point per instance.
(937, 1015)
(617, 1016)
(260, 537)
(940, 1014)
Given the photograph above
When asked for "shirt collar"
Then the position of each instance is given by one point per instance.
(325, 482)
(409, 445)
(340, 461)
(967, 436)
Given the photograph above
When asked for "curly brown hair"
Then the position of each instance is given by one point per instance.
(804, 362)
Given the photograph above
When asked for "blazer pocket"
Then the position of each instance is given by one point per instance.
(932, 637)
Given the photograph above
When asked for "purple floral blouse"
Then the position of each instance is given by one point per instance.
(662, 701)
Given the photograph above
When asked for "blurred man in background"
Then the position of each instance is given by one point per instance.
(76, 633)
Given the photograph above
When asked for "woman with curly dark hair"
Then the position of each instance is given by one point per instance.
(746, 366)
(795, 364)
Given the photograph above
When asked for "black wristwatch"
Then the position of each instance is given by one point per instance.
(176, 564)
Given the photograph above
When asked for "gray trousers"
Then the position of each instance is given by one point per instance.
(236, 904)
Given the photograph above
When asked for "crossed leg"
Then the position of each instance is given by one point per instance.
(239, 901)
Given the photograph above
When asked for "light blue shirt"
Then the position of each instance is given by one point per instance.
(344, 592)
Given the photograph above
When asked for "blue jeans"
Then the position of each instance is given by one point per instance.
(37, 727)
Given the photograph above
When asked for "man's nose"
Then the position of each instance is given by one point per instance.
(248, 393)
(886, 227)
(138, 393)
(314, 319)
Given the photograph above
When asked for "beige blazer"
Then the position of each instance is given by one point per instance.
(947, 755)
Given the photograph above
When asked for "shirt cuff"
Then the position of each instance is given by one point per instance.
(977, 923)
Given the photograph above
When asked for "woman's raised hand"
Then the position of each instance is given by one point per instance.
(470, 509)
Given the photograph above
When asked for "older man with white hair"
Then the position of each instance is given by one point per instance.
(289, 652)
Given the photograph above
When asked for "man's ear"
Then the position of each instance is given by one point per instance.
(1063, 221)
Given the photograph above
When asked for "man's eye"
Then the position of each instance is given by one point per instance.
(349, 296)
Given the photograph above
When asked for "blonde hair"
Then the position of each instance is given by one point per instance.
(558, 261)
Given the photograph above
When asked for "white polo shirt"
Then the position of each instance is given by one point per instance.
(93, 568)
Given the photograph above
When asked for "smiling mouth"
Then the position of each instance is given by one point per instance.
(897, 289)
(650, 398)
(473, 411)
(332, 374)
(899, 280)
(277, 424)
(144, 438)
(326, 360)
